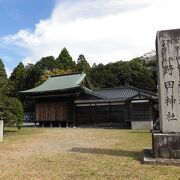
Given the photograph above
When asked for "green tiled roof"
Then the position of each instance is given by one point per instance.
(59, 83)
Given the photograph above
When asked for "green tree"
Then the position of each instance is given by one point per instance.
(47, 63)
(11, 111)
(18, 77)
(138, 72)
(109, 75)
(33, 74)
(83, 65)
(142, 77)
(151, 63)
(65, 60)
(53, 72)
(5, 85)
(2, 70)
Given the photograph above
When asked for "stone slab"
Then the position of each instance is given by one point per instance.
(148, 158)
(168, 54)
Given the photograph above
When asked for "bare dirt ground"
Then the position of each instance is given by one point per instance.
(36, 153)
(49, 141)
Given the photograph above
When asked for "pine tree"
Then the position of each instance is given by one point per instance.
(47, 63)
(11, 110)
(83, 65)
(4, 82)
(65, 60)
(17, 77)
(2, 70)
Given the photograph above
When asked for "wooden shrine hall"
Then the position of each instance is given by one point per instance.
(69, 100)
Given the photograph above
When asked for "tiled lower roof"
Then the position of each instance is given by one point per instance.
(123, 93)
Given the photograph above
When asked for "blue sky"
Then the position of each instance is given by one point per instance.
(16, 15)
(103, 30)
(23, 14)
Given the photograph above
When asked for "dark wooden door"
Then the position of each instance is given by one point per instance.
(52, 111)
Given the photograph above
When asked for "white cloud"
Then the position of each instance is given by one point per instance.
(102, 30)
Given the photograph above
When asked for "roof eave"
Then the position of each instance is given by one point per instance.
(49, 91)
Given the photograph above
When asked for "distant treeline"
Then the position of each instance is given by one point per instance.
(139, 72)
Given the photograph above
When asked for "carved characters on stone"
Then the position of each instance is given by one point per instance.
(168, 52)
(168, 66)
(171, 117)
(170, 101)
(169, 85)
(178, 64)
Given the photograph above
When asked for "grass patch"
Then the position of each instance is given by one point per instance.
(34, 153)
(13, 134)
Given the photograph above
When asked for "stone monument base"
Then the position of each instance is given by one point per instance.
(166, 145)
(148, 158)
(166, 149)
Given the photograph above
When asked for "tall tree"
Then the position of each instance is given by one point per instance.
(11, 110)
(65, 60)
(5, 87)
(47, 63)
(151, 63)
(135, 73)
(33, 74)
(17, 77)
(2, 70)
(142, 77)
(53, 72)
(83, 65)
(98, 76)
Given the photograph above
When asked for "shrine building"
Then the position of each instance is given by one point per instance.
(69, 100)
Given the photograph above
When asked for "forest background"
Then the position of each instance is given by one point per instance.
(140, 72)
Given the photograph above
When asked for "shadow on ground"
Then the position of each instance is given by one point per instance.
(136, 155)
(139, 132)
(9, 131)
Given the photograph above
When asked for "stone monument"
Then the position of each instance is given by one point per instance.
(168, 54)
(166, 142)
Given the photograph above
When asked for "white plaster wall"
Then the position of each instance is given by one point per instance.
(140, 125)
